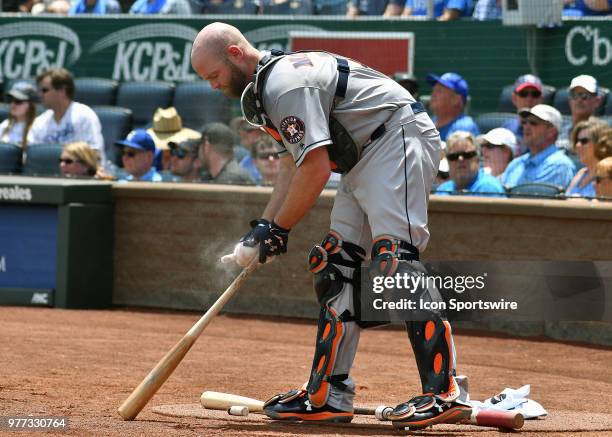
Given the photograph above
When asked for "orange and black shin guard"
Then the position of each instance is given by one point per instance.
(434, 351)
(329, 336)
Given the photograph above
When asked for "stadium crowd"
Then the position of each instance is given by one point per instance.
(534, 153)
(443, 10)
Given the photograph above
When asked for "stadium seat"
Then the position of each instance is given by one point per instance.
(116, 124)
(561, 101)
(491, 120)
(505, 98)
(607, 105)
(288, 7)
(197, 104)
(534, 190)
(95, 91)
(4, 111)
(10, 158)
(143, 98)
(42, 160)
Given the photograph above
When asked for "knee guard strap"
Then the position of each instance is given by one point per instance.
(434, 352)
(388, 251)
(324, 260)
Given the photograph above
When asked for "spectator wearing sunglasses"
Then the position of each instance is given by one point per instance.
(185, 164)
(584, 97)
(64, 121)
(448, 98)
(527, 93)
(466, 175)
(586, 138)
(78, 160)
(137, 155)
(498, 147)
(267, 162)
(14, 130)
(545, 162)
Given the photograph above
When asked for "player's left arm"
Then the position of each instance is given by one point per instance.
(281, 187)
(306, 185)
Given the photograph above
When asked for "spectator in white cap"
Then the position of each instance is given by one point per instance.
(584, 99)
(545, 163)
(498, 147)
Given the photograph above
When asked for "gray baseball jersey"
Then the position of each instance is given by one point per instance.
(299, 95)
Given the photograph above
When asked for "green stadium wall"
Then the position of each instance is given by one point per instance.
(488, 54)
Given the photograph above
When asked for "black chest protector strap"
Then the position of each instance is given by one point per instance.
(343, 152)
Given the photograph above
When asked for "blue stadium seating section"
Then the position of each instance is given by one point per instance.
(491, 120)
(42, 160)
(4, 111)
(143, 98)
(94, 91)
(116, 124)
(198, 104)
(10, 158)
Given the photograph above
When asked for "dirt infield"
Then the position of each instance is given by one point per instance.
(83, 364)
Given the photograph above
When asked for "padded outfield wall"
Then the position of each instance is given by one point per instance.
(488, 54)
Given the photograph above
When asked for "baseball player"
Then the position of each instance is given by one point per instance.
(332, 113)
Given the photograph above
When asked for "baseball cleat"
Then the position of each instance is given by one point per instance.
(295, 405)
(427, 410)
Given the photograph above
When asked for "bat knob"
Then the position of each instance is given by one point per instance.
(382, 412)
(238, 411)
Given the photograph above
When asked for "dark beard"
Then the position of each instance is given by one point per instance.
(238, 82)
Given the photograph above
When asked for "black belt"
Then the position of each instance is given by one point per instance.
(417, 107)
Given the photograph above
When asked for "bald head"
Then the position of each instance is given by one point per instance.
(221, 55)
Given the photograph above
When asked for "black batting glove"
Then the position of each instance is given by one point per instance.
(272, 239)
(248, 238)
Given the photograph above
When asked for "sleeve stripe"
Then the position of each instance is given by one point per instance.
(307, 149)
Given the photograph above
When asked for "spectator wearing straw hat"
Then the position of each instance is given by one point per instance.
(168, 127)
(498, 148)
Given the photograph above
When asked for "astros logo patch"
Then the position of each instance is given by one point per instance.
(293, 129)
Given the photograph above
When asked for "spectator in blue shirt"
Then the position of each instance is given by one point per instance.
(581, 8)
(169, 7)
(448, 99)
(444, 10)
(527, 92)
(487, 10)
(466, 175)
(374, 7)
(137, 154)
(545, 163)
(96, 7)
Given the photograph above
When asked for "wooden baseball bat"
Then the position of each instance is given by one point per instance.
(130, 408)
(497, 419)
